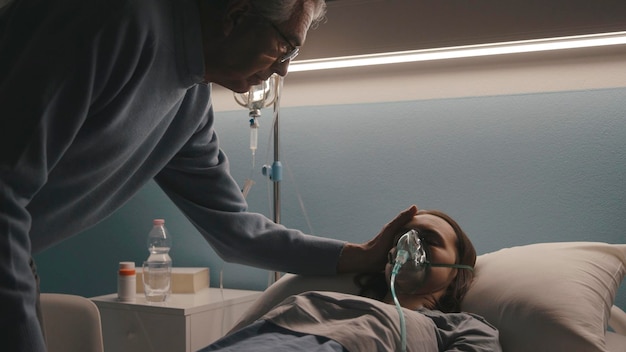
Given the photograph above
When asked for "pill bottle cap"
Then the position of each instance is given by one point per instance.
(127, 268)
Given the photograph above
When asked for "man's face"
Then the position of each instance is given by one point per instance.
(252, 49)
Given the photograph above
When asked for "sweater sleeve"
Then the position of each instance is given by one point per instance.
(199, 182)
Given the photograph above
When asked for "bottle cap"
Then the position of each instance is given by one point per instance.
(127, 268)
(158, 222)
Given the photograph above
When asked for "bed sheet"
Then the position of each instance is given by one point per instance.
(363, 324)
(263, 336)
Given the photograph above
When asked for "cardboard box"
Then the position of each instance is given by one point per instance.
(184, 280)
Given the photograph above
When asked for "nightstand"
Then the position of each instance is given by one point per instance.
(185, 322)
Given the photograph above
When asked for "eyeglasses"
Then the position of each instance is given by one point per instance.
(291, 53)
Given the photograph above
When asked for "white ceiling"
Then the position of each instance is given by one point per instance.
(372, 26)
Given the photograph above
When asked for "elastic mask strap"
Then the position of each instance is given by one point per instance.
(457, 266)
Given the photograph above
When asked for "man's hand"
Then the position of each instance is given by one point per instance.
(371, 256)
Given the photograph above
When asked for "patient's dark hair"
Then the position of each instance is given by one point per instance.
(374, 285)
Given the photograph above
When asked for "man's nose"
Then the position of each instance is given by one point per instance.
(281, 68)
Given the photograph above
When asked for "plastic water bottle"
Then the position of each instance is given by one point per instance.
(157, 269)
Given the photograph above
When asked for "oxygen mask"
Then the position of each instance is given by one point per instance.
(411, 263)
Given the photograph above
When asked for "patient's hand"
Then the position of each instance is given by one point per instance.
(371, 256)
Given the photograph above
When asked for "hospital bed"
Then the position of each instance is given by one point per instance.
(541, 297)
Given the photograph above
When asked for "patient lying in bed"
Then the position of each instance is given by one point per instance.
(331, 321)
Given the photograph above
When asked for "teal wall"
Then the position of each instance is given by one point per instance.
(513, 170)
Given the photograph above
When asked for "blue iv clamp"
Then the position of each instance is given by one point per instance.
(274, 172)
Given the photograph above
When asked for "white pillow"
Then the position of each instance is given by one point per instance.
(549, 296)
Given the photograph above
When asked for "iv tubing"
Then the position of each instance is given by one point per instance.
(400, 259)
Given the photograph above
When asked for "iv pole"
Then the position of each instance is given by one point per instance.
(259, 96)
(275, 172)
(276, 169)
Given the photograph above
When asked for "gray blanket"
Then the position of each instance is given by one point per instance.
(331, 321)
(357, 323)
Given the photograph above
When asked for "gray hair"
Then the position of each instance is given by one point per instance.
(280, 11)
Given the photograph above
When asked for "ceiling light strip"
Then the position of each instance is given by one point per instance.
(514, 47)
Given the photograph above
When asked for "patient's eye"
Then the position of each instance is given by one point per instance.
(431, 238)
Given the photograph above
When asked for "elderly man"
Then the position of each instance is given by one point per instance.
(97, 97)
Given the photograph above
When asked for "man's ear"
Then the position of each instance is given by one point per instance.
(234, 13)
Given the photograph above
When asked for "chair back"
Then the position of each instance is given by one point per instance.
(71, 323)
